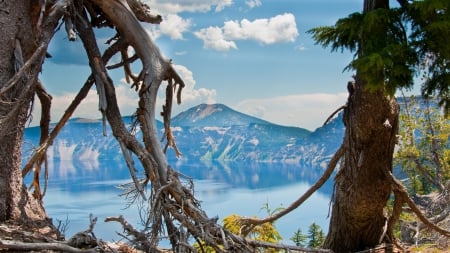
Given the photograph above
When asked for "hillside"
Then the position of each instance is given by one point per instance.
(207, 132)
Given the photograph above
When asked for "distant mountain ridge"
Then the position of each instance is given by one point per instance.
(206, 132)
(214, 115)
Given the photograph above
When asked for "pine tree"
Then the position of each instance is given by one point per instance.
(299, 238)
(315, 235)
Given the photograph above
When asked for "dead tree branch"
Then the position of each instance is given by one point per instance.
(401, 191)
(326, 175)
(40, 152)
(171, 201)
(33, 246)
(334, 113)
(139, 237)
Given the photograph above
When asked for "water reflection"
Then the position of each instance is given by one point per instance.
(79, 187)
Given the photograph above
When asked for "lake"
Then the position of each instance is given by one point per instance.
(79, 187)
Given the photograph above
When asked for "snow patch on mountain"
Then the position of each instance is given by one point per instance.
(218, 133)
(65, 150)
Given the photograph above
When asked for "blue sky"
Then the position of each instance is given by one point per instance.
(252, 55)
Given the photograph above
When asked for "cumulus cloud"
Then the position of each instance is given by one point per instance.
(253, 3)
(303, 110)
(190, 95)
(213, 37)
(176, 6)
(281, 28)
(174, 26)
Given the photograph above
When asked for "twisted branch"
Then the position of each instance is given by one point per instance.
(251, 222)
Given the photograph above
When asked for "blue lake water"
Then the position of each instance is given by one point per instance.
(78, 188)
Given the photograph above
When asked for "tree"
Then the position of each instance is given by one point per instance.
(384, 61)
(27, 28)
(21, 56)
(299, 238)
(386, 57)
(315, 235)
(423, 154)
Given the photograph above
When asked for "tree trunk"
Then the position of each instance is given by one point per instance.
(363, 185)
(18, 44)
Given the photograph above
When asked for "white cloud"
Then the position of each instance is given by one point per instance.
(176, 6)
(281, 28)
(126, 99)
(253, 3)
(153, 31)
(300, 47)
(223, 4)
(181, 53)
(191, 96)
(213, 38)
(302, 110)
(174, 26)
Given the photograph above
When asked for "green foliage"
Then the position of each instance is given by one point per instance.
(423, 148)
(269, 210)
(265, 232)
(202, 247)
(315, 235)
(299, 238)
(314, 238)
(378, 39)
(430, 34)
(392, 46)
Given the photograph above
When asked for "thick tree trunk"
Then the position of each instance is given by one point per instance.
(362, 187)
(18, 44)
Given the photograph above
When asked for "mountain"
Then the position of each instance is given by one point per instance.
(224, 134)
(207, 132)
(214, 115)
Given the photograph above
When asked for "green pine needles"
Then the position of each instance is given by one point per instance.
(394, 46)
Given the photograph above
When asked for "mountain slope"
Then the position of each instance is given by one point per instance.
(214, 115)
(208, 132)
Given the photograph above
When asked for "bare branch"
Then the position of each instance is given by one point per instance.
(401, 190)
(142, 12)
(30, 246)
(22, 71)
(334, 113)
(131, 231)
(333, 162)
(40, 152)
(132, 169)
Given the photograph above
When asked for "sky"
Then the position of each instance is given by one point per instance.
(254, 56)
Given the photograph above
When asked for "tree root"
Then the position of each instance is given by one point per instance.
(172, 204)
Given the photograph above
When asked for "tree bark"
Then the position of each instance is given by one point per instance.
(21, 56)
(15, 203)
(363, 185)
